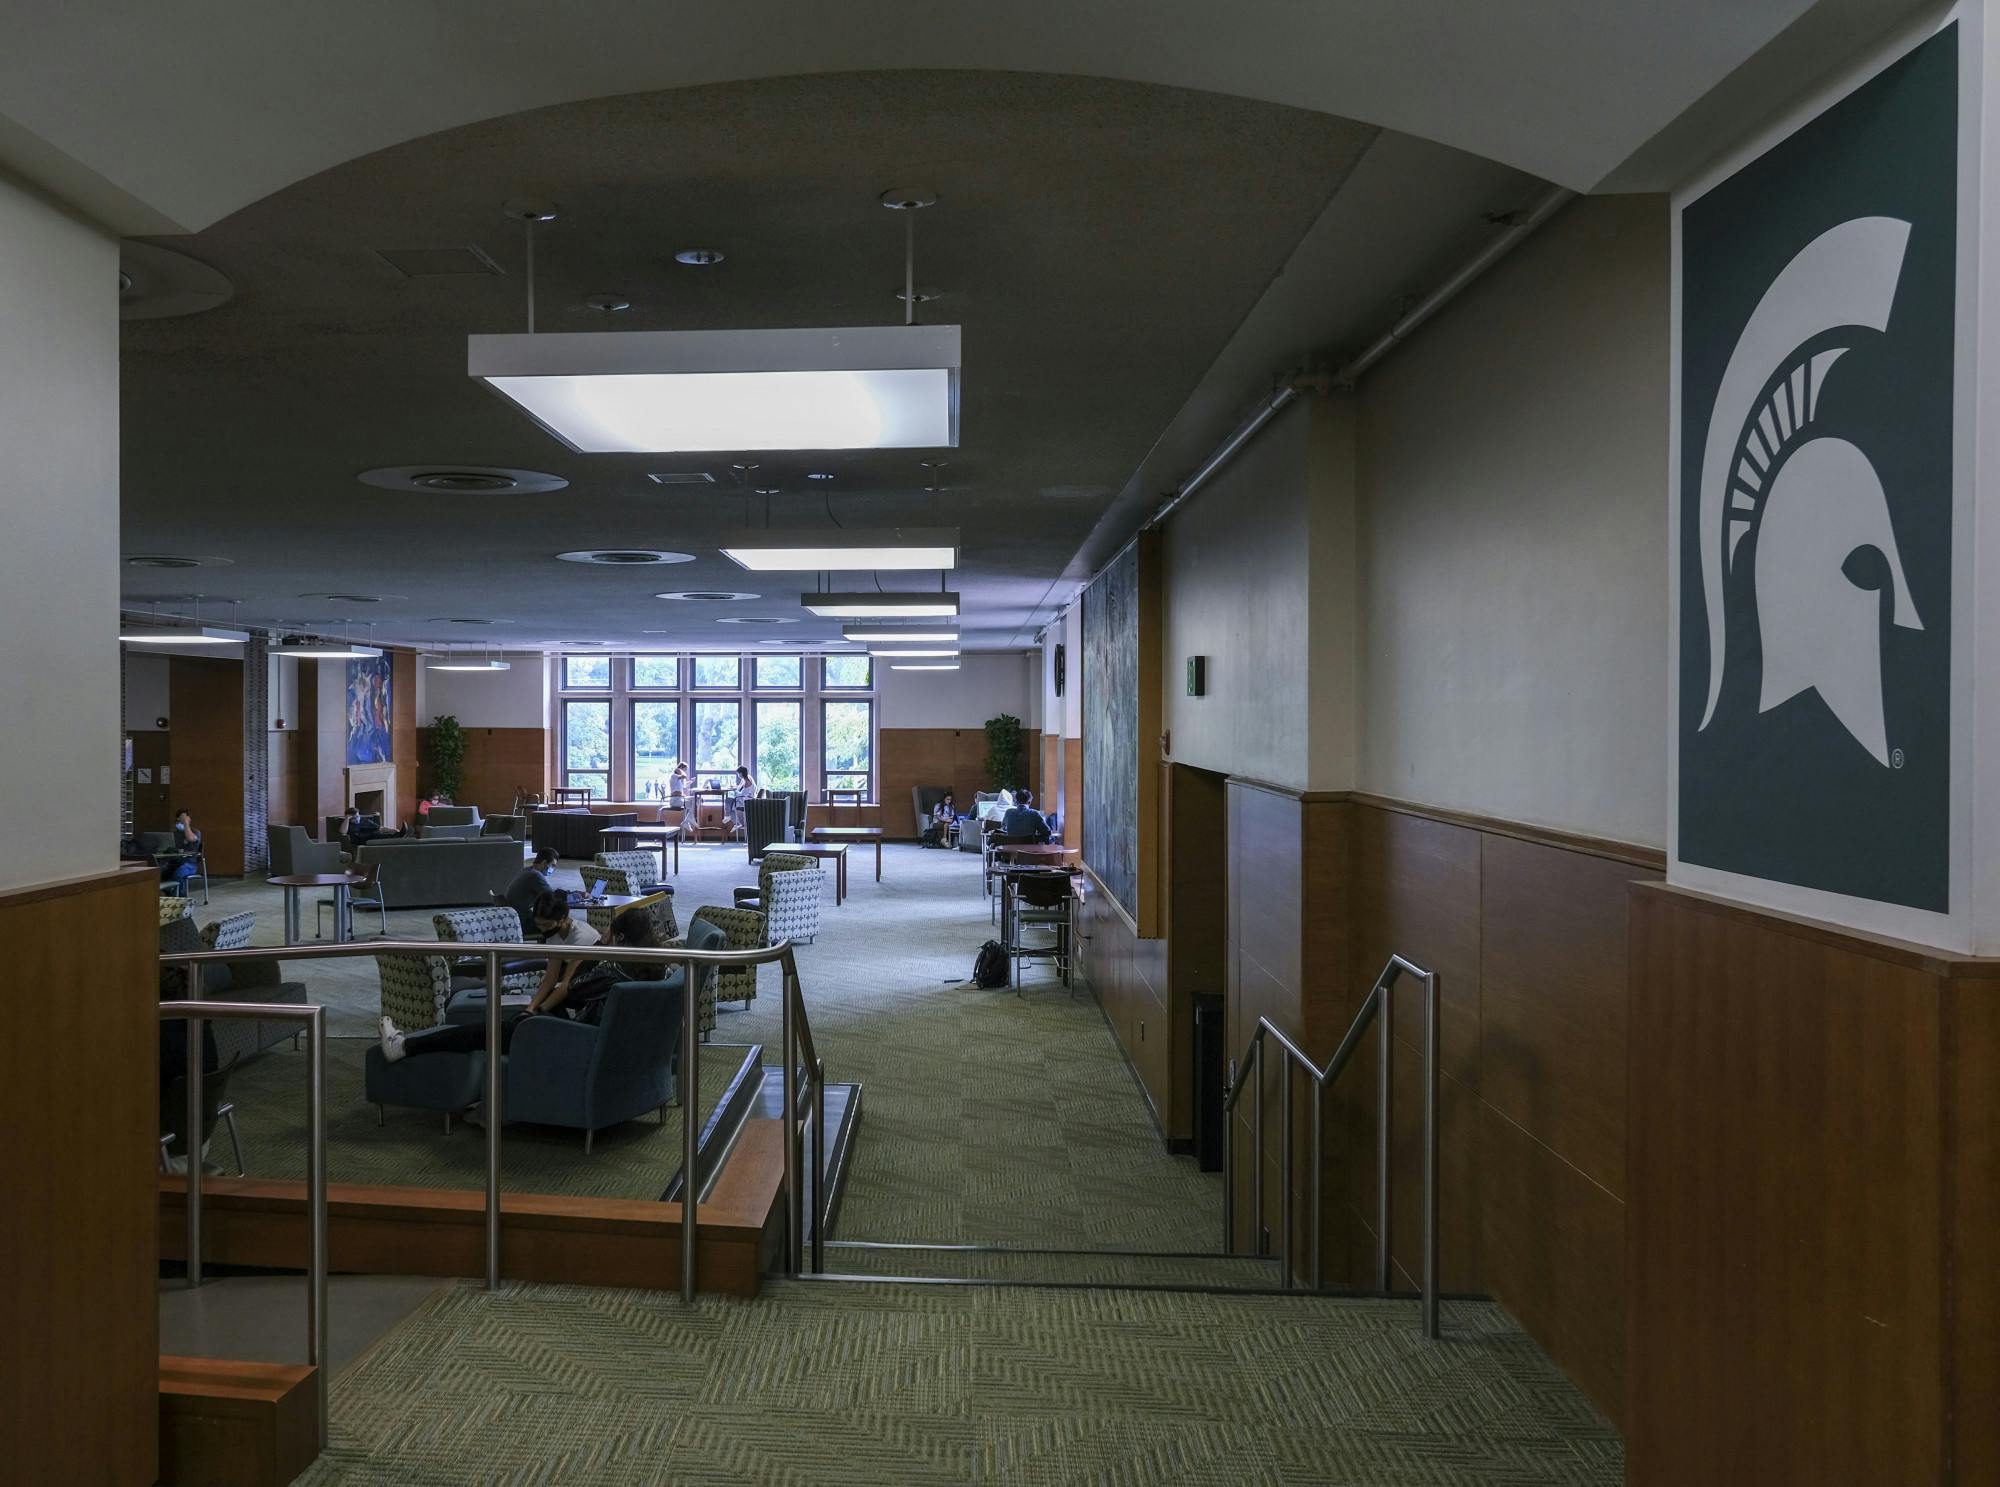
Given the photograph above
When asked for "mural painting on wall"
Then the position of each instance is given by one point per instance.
(1816, 495)
(369, 736)
(1111, 728)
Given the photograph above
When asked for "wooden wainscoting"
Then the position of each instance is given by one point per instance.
(403, 730)
(1811, 1162)
(1128, 975)
(1526, 930)
(499, 763)
(953, 757)
(1072, 793)
(79, 1097)
(207, 711)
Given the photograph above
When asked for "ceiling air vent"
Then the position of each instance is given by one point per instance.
(437, 263)
(624, 556)
(682, 477)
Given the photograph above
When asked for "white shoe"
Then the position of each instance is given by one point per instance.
(392, 1041)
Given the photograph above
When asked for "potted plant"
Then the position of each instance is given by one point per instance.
(444, 755)
(1004, 766)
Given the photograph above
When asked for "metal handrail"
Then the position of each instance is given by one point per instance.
(1380, 1005)
(690, 1071)
(796, 1037)
(197, 1013)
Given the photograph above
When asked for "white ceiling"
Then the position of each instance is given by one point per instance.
(167, 117)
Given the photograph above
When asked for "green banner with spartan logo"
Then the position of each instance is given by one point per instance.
(1817, 313)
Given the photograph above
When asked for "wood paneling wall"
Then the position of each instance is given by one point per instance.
(499, 762)
(940, 756)
(206, 705)
(286, 787)
(1072, 792)
(1526, 931)
(1813, 1188)
(403, 730)
(79, 1097)
(1128, 975)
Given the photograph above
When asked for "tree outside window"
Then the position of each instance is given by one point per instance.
(847, 744)
(587, 746)
(778, 762)
(718, 671)
(845, 671)
(656, 747)
(662, 673)
(586, 671)
(717, 748)
(779, 671)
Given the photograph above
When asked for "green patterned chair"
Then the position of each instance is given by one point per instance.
(492, 926)
(742, 929)
(415, 989)
(787, 894)
(704, 929)
(625, 872)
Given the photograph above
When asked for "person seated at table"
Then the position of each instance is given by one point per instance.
(1023, 822)
(744, 788)
(187, 842)
(529, 884)
(678, 785)
(938, 834)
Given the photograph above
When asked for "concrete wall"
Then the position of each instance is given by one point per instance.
(1511, 569)
(59, 751)
(984, 686)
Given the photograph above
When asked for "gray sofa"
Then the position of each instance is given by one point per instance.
(452, 823)
(426, 874)
(294, 852)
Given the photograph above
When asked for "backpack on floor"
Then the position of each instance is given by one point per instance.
(989, 968)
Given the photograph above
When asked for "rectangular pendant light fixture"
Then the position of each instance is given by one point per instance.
(896, 634)
(447, 664)
(852, 549)
(326, 650)
(862, 605)
(926, 666)
(700, 391)
(899, 653)
(184, 634)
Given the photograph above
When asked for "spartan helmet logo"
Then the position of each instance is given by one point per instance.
(1813, 500)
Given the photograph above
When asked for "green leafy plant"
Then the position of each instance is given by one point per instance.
(444, 751)
(1005, 769)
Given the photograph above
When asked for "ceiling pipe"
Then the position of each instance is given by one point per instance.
(1558, 198)
(1345, 378)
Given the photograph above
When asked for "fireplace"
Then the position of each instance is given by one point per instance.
(371, 789)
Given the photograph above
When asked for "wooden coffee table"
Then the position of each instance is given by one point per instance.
(852, 834)
(836, 851)
(649, 839)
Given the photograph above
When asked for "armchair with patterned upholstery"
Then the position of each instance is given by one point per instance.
(659, 903)
(497, 925)
(742, 929)
(703, 934)
(238, 981)
(625, 872)
(415, 989)
(787, 894)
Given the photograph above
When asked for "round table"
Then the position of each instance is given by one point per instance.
(340, 883)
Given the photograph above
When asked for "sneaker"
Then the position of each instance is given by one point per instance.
(392, 1041)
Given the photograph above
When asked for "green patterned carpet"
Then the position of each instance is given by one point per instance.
(826, 1385)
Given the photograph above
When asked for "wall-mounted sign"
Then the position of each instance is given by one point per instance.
(1815, 498)
(1197, 676)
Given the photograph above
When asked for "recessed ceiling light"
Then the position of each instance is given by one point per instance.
(610, 304)
(863, 605)
(896, 635)
(440, 619)
(461, 480)
(353, 598)
(819, 475)
(708, 596)
(699, 257)
(625, 556)
(681, 477)
(767, 490)
(888, 549)
(638, 392)
(744, 619)
(174, 560)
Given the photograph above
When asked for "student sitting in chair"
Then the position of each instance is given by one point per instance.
(1023, 822)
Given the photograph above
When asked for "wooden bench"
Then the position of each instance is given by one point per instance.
(228, 1423)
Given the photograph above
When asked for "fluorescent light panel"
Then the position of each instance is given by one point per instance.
(876, 548)
(926, 666)
(327, 650)
(633, 392)
(185, 635)
(450, 665)
(895, 635)
(899, 652)
(867, 606)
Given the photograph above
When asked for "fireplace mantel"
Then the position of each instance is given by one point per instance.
(382, 777)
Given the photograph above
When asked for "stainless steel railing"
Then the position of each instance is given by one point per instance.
(1379, 1006)
(198, 1013)
(796, 1037)
(689, 1081)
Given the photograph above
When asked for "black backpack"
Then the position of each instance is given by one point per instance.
(989, 968)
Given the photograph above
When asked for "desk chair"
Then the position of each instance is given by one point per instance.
(1038, 900)
(215, 1107)
(358, 898)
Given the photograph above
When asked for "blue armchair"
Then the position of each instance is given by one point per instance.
(587, 1077)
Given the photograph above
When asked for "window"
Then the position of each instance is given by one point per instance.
(845, 671)
(778, 726)
(779, 671)
(847, 742)
(661, 673)
(718, 671)
(716, 747)
(587, 744)
(586, 671)
(656, 746)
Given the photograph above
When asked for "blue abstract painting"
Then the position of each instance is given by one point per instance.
(369, 737)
